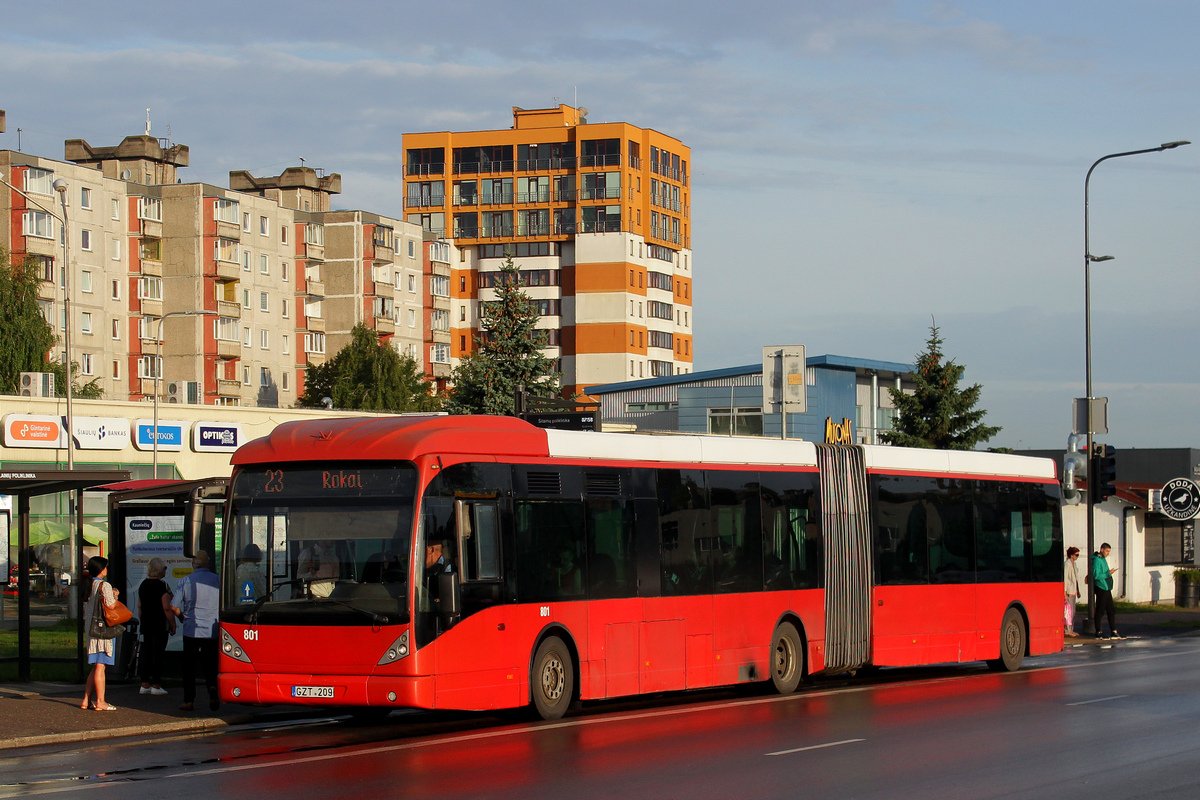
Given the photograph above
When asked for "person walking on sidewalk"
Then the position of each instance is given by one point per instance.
(158, 625)
(1070, 591)
(1102, 583)
(199, 601)
(100, 651)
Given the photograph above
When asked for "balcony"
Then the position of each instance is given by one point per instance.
(152, 308)
(316, 288)
(227, 388)
(600, 193)
(483, 167)
(316, 324)
(229, 308)
(427, 169)
(430, 201)
(151, 229)
(385, 326)
(495, 198)
(609, 160)
(146, 386)
(545, 164)
(47, 290)
(227, 270)
(542, 196)
(229, 230)
(229, 349)
(151, 266)
(469, 200)
(384, 254)
(314, 252)
(37, 246)
(439, 370)
(314, 358)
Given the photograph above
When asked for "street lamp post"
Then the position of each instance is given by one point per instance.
(60, 186)
(1088, 258)
(158, 371)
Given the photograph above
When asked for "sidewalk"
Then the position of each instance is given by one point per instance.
(48, 713)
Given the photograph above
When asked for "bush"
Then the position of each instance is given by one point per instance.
(1188, 575)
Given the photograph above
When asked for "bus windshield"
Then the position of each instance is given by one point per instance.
(307, 545)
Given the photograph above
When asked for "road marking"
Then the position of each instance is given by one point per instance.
(1098, 700)
(815, 747)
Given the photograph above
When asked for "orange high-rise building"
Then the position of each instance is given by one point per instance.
(596, 217)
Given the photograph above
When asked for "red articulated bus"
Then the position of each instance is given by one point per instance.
(482, 563)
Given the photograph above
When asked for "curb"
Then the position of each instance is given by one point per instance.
(178, 726)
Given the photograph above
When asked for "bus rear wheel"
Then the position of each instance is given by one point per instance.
(787, 658)
(553, 678)
(1012, 643)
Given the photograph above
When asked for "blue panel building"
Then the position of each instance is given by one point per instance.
(730, 401)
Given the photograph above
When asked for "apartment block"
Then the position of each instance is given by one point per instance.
(597, 219)
(225, 296)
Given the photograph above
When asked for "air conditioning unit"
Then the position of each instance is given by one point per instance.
(37, 384)
(187, 392)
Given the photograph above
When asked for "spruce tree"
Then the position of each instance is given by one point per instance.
(938, 414)
(368, 375)
(26, 335)
(509, 354)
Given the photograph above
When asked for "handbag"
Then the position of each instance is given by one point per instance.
(117, 613)
(100, 629)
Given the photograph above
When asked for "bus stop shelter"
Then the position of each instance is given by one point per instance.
(26, 484)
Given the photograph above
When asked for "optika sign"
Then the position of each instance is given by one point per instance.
(341, 480)
(216, 437)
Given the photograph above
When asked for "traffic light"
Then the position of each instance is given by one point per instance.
(1102, 472)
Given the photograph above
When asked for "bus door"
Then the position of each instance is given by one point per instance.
(846, 522)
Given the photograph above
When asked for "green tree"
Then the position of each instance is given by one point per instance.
(368, 375)
(87, 391)
(26, 335)
(938, 414)
(509, 354)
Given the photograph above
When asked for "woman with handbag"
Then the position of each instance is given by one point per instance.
(158, 625)
(100, 650)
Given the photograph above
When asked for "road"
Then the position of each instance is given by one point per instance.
(1094, 722)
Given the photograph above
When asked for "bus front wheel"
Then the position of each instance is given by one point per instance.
(553, 678)
(787, 658)
(1012, 643)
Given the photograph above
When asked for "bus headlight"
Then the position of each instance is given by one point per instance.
(232, 649)
(396, 651)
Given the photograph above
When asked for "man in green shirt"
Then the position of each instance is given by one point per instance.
(1102, 584)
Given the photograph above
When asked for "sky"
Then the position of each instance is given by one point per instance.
(862, 169)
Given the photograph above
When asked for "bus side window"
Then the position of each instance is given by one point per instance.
(479, 535)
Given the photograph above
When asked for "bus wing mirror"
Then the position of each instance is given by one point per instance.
(200, 519)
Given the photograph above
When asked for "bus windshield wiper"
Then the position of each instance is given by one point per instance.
(376, 619)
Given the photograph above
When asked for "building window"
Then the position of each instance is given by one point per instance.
(412, 283)
(747, 421)
(440, 320)
(314, 234)
(314, 343)
(86, 364)
(150, 208)
(116, 328)
(439, 286)
(264, 301)
(287, 348)
(264, 339)
(1164, 540)
(226, 211)
(225, 329)
(263, 267)
(245, 376)
(149, 367)
(85, 240)
(39, 224)
(85, 281)
(283, 268)
(285, 308)
(225, 250)
(116, 249)
(116, 370)
(245, 298)
(246, 334)
(245, 261)
(39, 181)
(284, 376)
(116, 290)
(411, 251)
(85, 197)
(264, 376)
(462, 313)
(116, 208)
(412, 318)
(283, 233)
(264, 226)
(246, 221)
(149, 288)
(85, 322)
(439, 354)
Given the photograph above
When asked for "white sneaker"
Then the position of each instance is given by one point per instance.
(144, 690)
(158, 690)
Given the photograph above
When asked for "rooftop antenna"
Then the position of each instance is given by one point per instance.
(147, 122)
(301, 162)
(18, 140)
